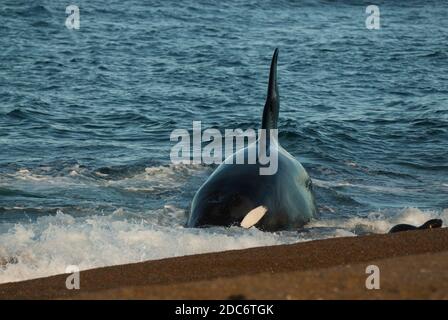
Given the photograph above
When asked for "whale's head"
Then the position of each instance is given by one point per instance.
(226, 199)
(221, 210)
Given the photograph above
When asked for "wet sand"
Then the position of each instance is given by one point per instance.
(413, 265)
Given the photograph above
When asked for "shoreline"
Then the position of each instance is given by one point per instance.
(413, 265)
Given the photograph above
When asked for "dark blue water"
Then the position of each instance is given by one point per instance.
(86, 116)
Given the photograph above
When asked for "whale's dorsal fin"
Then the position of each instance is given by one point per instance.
(272, 106)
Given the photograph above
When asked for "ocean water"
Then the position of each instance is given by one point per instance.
(86, 117)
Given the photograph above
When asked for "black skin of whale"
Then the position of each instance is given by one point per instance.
(430, 224)
(235, 189)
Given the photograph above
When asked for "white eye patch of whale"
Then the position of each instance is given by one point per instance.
(253, 217)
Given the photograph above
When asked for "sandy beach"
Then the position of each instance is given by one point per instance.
(413, 265)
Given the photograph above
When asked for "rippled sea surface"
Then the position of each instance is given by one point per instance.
(86, 117)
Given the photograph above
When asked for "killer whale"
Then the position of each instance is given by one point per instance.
(237, 194)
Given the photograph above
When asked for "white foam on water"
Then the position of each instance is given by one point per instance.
(380, 222)
(172, 173)
(374, 188)
(51, 243)
(47, 246)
